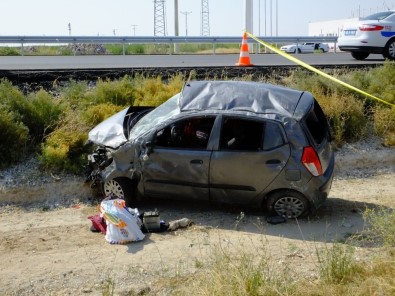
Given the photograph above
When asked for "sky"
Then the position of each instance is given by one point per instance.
(136, 17)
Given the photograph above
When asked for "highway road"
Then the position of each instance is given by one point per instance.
(165, 61)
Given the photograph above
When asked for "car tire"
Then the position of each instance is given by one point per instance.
(289, 204)
(389, 50)
(359, 55)
(122, 188)
(299, 50)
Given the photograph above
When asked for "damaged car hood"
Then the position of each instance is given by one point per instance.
(110, 132)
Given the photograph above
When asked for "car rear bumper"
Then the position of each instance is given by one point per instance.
(358, 48)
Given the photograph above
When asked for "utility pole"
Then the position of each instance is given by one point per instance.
(205, 22)
(134, 29)
(186, 20)
(69, 26)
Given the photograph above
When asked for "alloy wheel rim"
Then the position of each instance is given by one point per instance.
(391, 50)
(289, 207)
(113, 187)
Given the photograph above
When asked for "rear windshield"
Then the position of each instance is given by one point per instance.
(377, 16)
(317, 124)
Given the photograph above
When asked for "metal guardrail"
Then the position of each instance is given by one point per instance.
(156, 39)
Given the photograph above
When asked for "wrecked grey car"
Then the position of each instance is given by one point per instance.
(235, 142)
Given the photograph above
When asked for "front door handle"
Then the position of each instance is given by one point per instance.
(197, 161)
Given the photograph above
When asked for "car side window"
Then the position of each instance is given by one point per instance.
(249, 135)
(241, 134)
(273, 136)
(191, 133)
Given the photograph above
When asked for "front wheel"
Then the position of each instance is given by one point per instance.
(359, 55)
(389, 50)
(121, 188)
(288, 204)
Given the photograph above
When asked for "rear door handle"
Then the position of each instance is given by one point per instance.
(197, 161)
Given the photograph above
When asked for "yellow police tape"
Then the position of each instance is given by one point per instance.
(307, 66)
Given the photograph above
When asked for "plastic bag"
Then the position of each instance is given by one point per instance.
(123, 224)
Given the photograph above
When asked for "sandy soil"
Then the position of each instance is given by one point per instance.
(47, 248)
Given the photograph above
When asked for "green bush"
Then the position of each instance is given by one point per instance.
(118, 92)
(64, 150)
(14, 137)
(74, 93)
(41, 113)
(96, 114)
(9, 51)
(384, 124)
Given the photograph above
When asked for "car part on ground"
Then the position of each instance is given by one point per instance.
(234, 142)
(374, 34)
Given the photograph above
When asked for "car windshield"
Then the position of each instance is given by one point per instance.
(377, 16)
(156, 116)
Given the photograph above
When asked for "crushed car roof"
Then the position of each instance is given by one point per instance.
(239, 95)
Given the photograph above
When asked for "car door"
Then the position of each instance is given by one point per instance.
(308, 47)
(178, 165)
(251, 154)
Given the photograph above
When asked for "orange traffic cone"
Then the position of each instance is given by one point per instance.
(244, 59)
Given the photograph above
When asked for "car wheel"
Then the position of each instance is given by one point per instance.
(288, 204)
(121, 188)
(389, 50)
(299, 50)
(359, 55)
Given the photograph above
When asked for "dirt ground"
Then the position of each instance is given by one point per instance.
(47, 248)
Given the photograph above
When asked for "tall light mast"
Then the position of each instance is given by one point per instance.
(248, 15)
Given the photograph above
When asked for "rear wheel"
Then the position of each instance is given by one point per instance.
(288, 204)
(359, 55)
(389, 50)
(121, 188)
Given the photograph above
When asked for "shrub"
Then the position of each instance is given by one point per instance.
(41, 113)
(345, 115)
(14, 136)
(337, 264)
(9, 51)
(74, 93)
(384, 124)
(96, 114)
(153, 91)
(118, 92)
(380, 226)
(64, 148)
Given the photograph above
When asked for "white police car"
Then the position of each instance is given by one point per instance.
(372, 34)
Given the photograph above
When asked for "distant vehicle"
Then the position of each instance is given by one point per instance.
(307, 47)
(372, 34)
(223, 141)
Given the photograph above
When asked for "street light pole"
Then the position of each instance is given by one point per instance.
(186, 20)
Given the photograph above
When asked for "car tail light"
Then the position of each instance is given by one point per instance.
(311, 161)
(371, 28)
